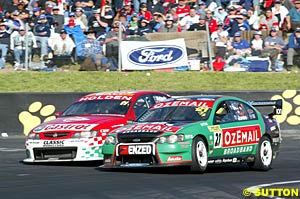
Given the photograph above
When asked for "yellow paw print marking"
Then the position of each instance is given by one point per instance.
(30, 119)
(290, 111)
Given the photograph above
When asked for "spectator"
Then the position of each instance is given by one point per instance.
(201, 8)
(280, 12)
(219, 37)
(144, 27)
(293, 18)
(144, 13)
(157, 22)
(17, 21)
(72, 15)
(133, 25)
(4, 43)
(58, 20)
(98, 23)
(212, 23)
(35, 17)
(181, 10)
(77, 34)
(42, 34)
(159, 7)
(126, 10)
(239, 46)
(242, 23)
(112, 45)
(18, 44)
(169, 26)
(268, 20)
(257, 43)
(253, 19)
(91, 48)
(137, 4)
(61, 44)
(190, 19)
(220, 14)
(86, 5)
(81, 17)
(293, 48)
(201, 25)
(273, 45)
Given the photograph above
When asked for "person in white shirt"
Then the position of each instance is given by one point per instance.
(61, 44)
(257, 43)
(280, 11)
(189, 20)
(220, 39)
(18, 46)
(253, 19)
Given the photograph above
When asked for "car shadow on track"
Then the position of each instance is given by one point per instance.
(68, 164)
(182, 170)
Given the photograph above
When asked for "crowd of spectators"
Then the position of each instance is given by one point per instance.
(81, 27)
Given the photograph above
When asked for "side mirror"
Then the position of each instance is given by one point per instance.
(57, 114)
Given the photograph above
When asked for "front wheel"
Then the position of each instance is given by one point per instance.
(264, 155)
(199, 155)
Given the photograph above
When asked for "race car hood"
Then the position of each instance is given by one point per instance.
(151, 127)
(79, 123)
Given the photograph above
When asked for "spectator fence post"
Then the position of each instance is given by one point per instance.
(209, 46)
(26, 46)
(119, 53)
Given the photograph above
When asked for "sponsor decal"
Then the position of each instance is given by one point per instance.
(240, 136)
(215, 128)
(204, 124)
(236, 150)
(174, 158)
(196, 103)
(53, 143)
(149, 127)
(156, 55)
(72, 127)
(105, 97)
(135, 149)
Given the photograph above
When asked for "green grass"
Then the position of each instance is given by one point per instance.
(75, 81)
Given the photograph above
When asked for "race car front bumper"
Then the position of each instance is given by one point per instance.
(83, 149)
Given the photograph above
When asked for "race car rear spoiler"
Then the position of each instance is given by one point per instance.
(276, 103)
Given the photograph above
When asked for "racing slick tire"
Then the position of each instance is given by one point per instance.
(199, 155)
(263, 156)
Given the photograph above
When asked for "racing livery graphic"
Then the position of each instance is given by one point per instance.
(196, 131)
(78, 133)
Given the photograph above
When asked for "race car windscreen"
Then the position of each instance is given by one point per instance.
(175, 114)
(98, 107)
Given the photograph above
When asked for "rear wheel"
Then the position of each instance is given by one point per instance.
(199, 155)
(264, 155)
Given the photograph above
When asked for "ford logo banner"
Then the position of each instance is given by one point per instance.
(156, 55)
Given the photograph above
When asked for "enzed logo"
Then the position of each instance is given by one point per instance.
(156, 55)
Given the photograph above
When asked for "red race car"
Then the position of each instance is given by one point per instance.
(79, 132)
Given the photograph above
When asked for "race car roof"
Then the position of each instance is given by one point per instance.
(116, 95)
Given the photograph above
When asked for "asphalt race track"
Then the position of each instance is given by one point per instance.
(86, 181)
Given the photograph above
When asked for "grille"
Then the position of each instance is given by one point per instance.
(56, 135)
(127, 159)
(136, 138)
(55, 153)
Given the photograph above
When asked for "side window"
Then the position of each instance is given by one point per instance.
(223, 114)
(140, 106)
(242, 111)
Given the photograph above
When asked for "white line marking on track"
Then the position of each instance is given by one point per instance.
(10, 149)
(252, 188)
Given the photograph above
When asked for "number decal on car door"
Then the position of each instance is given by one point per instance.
(217, 139)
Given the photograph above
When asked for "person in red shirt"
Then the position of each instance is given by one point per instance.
(182, 9)
(144, 13)
(212, 23)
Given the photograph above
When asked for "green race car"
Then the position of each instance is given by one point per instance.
(197, 131)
